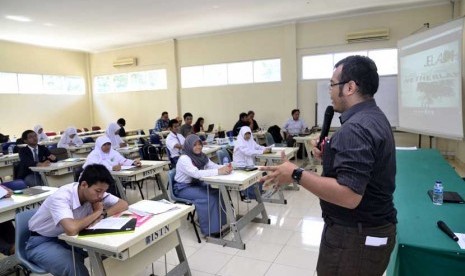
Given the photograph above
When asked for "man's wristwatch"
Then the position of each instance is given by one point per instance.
(297, 175)
(104, 214)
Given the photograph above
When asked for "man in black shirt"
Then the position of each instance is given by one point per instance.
(122, 123)
(243, 121)
(358, 181)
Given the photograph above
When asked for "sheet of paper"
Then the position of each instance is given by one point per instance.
(111, 223)
(461, 241)
(127, 167)
(3, 192)
(145, 207)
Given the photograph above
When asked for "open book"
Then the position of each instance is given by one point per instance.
(111, 225)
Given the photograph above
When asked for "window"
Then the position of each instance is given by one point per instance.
(8, 83)
(14, 83)
(231, 73)
(132, 81)
(321, 66)
(267, 70)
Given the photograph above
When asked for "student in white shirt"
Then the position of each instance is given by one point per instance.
(72, 208)
(42, 137)
(294, 126)
(192, 166)
(174, 142)
(112, 132)
(245, 149)
(69, 138)
(104, 154)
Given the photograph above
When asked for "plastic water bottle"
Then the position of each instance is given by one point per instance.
(225, 160)
(438, 192)
(10, 150)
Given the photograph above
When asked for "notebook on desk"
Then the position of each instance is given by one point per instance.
(111, 225)
(449, 197)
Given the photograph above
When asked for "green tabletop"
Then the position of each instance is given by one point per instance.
(422, 248)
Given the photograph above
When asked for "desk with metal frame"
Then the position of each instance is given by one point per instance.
(81, 151)
(237, 181)
(148, 169)
(6, 164)
(9, 207)
(129, 252)
(306, 141)
(274, 158)
(129, 152)
(59, 173)
(16, 203)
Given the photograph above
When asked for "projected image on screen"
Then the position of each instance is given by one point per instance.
(430, 81)
(437, 85)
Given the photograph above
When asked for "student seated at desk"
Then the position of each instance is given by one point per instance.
(72, 208)
(33, 155)
(187, 128)
(192, 166)
(198, 126)
(245, 149)
(112, 133)
(162, 123)
(41, 133)
(7, 229)
(105, 155)
(70, 138)
(122, 123)
(174, 142)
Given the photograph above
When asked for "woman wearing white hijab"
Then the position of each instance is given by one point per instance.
(245, 149)
(112, 133)
(105, 155)
(191, 166)
(40, 133)
(70, 138)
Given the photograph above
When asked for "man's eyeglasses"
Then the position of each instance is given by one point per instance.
(339, 83)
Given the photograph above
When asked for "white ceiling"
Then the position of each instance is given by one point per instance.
(98, 25)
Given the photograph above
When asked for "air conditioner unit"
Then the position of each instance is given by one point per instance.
(125, 62)
(368, 35)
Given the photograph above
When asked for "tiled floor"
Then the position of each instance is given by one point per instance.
(288, 246)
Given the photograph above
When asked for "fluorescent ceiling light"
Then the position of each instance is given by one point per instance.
(18, 18)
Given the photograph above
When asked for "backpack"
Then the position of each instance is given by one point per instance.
(149, 152)
(275, 131)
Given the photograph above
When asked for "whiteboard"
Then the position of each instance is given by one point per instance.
(386, 99)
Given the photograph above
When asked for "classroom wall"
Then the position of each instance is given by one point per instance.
(272, 102)
(140, 109)
(54, 112)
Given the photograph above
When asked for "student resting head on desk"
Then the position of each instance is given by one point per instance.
(33, 155)
(104, 154)
(40, 133)
(112, 133)
(72, 208)
(69, 138)
(192, 166)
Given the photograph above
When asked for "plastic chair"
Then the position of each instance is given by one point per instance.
(270, 141)
(221, 155)
(96, 128)
(229, 133)
(22, 236)
(173, 197)
(85, 129)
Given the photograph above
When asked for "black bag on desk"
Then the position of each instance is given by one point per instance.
(149, 152)
(4, 138)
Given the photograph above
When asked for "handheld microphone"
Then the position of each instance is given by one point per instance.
(443, 226)
(329, 113)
